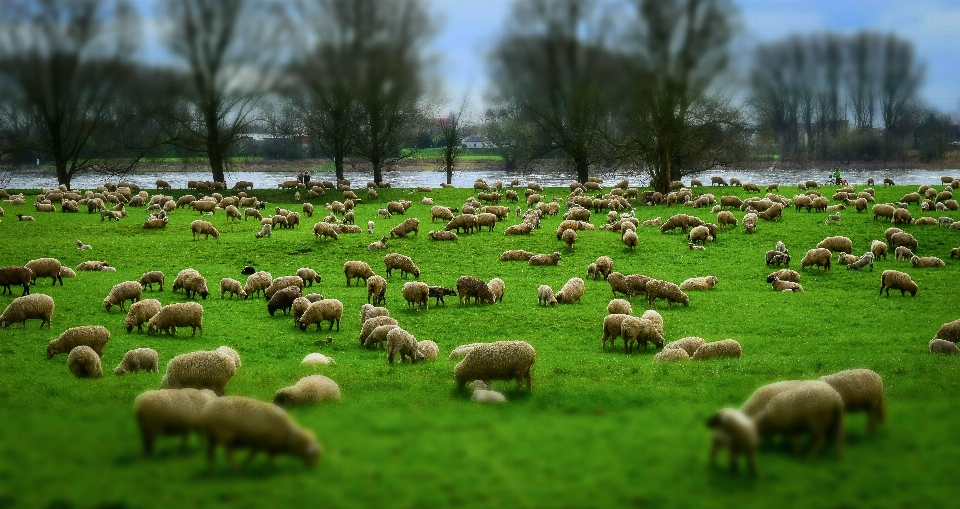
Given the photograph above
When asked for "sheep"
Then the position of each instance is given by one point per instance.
(23, 308)
(370, 226)
(640, 330)
(612, 328)
(483, 394)
(416, 293)
(731, 429)
(545, 259)
(878, 248)
(758, 401)
(141, 312)
(699, 283)
(927, 261)
(628, 285)
(903, 253)
(378, 336)
(309, 389)
(127, 290)
(774, 257)
(783, 285)
(151, 277)
(440, 212)
(326, 310)
(671, 355)
(837, 243)
(243, 422)
(283, 282)
(409, 225)
(818, 256)
(171, 316)
(630, 239)
(429, 350)
(317, 358)
(500, 360)
(442, 235)
(402, 342)
(283, 299)
(357, 269)
(715, 349)
(602, 267)
(83, 247)
(192, 283)
(83, 362)
(515, 255)
(898, 281)
(571, 291)
(750, 222)
(813, 407)
(169, 412)
(380, 244)
(469, 286)
(205, 228)
(690, 345)
(545, 296)
(16, 275)
(659, 289)
(257, 282)
(569, 237)
(233, 287)
(323, 229)
(618, 306)
(861, 390)
(68, 272)
(863, 261)
(369, 325)
(402, 262)
(309, 275)
(204, 369)
(145, 359)
(266, 230)
(496, 286)
(92, 265)
(439, 292)
(45, 267)
(949, 331)
(376, 290)
(465, 221)
(93, 336)
(462, 350)
(943, 346)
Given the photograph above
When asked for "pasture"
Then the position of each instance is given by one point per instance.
(600, 428)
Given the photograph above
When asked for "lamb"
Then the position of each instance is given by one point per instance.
(602, 267)
(83, 247)
(862, 391)
(818, 256)
(141, 312)
(16, 275)
(145, 359)
(369, 325)
(659, 289)
(416, 293)
(378, 336)
(151, 277)
(516, 255)
(380, 244)
(127, 290)
(571, 291)
(309, 275)
(715, 349)
(783, 285)
(863, 261)
(266, 230)
(402, 262)
(357, 269)
(370, 226)
(83, 362)
(169, 412)
(732, 430)
(233, 287)
(545, 296)
(23, 308)
(171, 316)
(690, 345)
(326, 310)
(204, 369)
(927, 261)
(317, 358)
(898, 281)
(257, 282)
(545, 259)
(949, 331)
(309, 389)
(469, 286)
(243, 422)
(483, 394)
(618, 306)
(45, 267)
(878, 248)
(699, 283)
(640, 330)
(439, 292)
(814, 407)
(832, 218)
(376, 290)
(283, 282)
(903, 253)
(283, 299)
(943, 346)
(205, 228)
(496, 286)
(837, 243)
(500, 360)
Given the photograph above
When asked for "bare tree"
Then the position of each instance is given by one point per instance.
(61, 69)
(452, 128)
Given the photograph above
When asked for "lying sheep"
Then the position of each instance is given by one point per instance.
(515, 255)
(862, 391)
(785, 275)
(671, 355)
(204, 369)
(127, 290)
(545, 259)
(815, 408)
(949, 331)
(326, 310)
(247, 423)
(699, 283)
(169, 412)
(943, 346)
(500, 360)
(717, 349)
(690, 345)
(151, 277)
(734, 431)
(483, 394)
(145, 359)
(171, 316)
(783, 286)
(898, 281)
(402, 262)
(926, 262)
(357, 269)
(469, 286)
(83, 362)
(416, 293)
(309, 389)
(141, 312)
(317, 358)
(819, 256)
(659, 289)
(545, 296)
(571, 291)
(378, 245)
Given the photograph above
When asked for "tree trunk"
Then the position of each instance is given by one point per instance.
(377, 171)
(338, 164)
(63, 176)
(582, 171)
(216, 165)
(449, 175)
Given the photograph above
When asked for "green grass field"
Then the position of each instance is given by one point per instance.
(600, 428)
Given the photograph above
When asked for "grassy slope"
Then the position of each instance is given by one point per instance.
(600, 428)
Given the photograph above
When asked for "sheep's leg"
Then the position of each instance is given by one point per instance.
(818, 440)
(734, 462)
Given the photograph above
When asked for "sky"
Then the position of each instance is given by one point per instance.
(469, 27)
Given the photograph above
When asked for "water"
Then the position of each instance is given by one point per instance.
(32, 179)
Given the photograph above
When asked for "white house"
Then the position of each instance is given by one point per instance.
(475, 142)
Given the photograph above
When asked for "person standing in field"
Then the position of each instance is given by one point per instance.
(836, 175)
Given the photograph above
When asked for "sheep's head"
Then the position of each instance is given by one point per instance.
(51, 350)
(107, 303)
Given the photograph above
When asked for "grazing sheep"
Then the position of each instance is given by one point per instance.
(23, 308)
(903, 239)
(204, 369)
(618, 306)
(149, 278)
(602, 267)
(671, 355)
(45, 267)
(943, 346)
(659, 289)
(402, 262)
(545, 296)
(630, 239)
(819, 256)
(496, 286)
(898, 281)
(516, 255)
(699, 283)
(903, 253)
(357, 269)
(323, 229)
(878, 248)
(500, 360)
(127, 290)
(205, 228)
(309, 275)
(376, 290)
(716, 349)
(257, 282)
(283, 299)
(309, 389)
(326, 310)
(429, 350)
(145, 359)
(265, 231)
(16, 275)
(725, 217)
(862, 391)
(372, 323)
(192, 283)
(814, 407)
(783, 285)
(233, 287)
(169, 412)
(690, 345)
(640, 330)
(758, 401)
(171, 316)
(409, 225)
(612, 328)
(283, 282)
(837, 244)
(927, 261)
(731, 429)
(569, 237)
(378, 336)
(440, 212)
(863, 261)
(545, 259)
(416, 293)
(402, 342)
(571, 291)
(84, 362)
(949, 331)
(141, 312)
(750, 222)
(247, 423)
(469, 286)
(317, 358)
(439, 292)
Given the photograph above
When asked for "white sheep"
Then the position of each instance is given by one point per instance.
(571, 291)
(141, 312)
(483, 394)
(93, 336)
(699, 283)
(368, 326)
(146, 359)
(204, 369)
(943, 346)
(23, 308)
(127, 290)
(233, 287)
(318, 358)
(169, 412)
(815, 408)
(83, 362)
(722, 348)
(500, 360)
(733, 430)
(171, 316)
(330, 310)
(402, 342)
(689, 344)
(862, 391)
(309, 389)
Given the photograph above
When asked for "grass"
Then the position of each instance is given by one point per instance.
(599, 429)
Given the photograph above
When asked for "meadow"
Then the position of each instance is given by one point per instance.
(600, 428)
